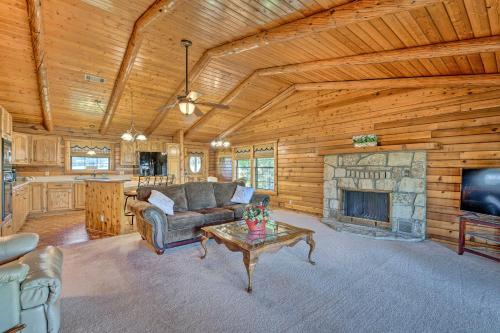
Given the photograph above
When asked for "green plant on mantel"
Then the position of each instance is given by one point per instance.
(364, 138)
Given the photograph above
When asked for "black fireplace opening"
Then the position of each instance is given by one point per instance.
(367, 205)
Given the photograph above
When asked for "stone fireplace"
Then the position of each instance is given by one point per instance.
(381, 191)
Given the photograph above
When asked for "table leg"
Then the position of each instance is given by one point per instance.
(461, 237)
(203, 242)
(312, 246)
(250, 261)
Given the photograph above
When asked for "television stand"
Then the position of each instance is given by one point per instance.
(477, 219)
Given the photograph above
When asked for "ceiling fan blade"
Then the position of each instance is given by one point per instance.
(213, 105)
(198, 112)
(193, 95)
(166, 106)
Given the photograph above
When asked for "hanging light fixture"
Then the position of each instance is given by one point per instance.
(91, 151)
(186, 107)
(217, 144)
(132, 134)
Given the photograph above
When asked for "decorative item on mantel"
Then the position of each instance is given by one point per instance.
(369, 140)
(256, 217)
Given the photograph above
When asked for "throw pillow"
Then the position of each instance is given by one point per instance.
(161, 201)
(242, 194)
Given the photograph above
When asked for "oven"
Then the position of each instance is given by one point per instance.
(7, 183)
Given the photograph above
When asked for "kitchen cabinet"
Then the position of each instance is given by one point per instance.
(59, 196)
(20, 148)
(44, 150)
(6, 124)
(7, 228)
(20, 207)
(38, 198)
(150, 146)
(128, 154)
(79, 196)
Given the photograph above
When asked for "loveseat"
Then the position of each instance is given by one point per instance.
(30, 285)
(196, 204)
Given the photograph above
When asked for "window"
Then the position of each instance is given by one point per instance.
(92, 163)
(243, 171)
(257, 165)
(195, 163)
(264, 173)
(89, 156)
(225, 168)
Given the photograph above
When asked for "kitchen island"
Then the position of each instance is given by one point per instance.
(104, 202)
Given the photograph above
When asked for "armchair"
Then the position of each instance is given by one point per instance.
(30, 284)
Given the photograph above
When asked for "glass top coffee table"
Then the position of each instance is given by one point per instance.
(237, 238)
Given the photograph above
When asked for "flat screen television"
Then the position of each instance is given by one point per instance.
(481, 191)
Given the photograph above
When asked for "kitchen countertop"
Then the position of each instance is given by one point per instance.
(127, 179)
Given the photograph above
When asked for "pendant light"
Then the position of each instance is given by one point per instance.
(91, 151)
(132, 134)
(217, 144)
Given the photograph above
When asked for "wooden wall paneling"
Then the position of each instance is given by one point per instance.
(38, 40)
(468, 138)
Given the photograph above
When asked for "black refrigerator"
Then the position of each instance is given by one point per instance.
(153, 164)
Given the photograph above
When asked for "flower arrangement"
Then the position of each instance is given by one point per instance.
(256, 217)
(365, 140)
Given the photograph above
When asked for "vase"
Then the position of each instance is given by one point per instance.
(254, 226)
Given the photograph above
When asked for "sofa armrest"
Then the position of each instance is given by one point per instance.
(154, 216)
(15, 246)
(43, 282)
(13, 271)
(259, 198)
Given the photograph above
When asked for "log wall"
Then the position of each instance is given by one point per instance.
(464, 121)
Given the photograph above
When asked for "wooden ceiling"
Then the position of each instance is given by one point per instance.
(91, 36)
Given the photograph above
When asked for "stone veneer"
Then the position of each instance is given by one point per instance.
(402, 174)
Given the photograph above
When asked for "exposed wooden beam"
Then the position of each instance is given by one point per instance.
(158, 9)
(38, 43)
(447, 49)
(263, 108)
(470, 46)
(481, 80)
(227, 100)
(353, 12)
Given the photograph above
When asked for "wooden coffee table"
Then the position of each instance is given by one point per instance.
(236, 237)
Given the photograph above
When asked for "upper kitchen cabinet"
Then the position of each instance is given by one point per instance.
(6, 124)
(44, 150)
(20, 148)
(128, 154)
(150, 146)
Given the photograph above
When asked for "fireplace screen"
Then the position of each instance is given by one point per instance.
(367, 205)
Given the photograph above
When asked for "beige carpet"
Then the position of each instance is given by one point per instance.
(358, 285)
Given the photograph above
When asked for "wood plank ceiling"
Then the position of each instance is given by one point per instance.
(90, 36)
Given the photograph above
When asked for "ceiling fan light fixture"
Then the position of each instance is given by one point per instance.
(186, 107)
(220, 144)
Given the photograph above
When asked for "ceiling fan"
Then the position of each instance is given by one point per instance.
(187, 102)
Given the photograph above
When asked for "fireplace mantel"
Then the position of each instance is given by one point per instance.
(403, 147)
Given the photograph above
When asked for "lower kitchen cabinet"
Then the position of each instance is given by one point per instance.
(38, 197)
(59, 196)
(20, 207)
(79, 196)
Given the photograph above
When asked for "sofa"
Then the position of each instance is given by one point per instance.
(196, 204)
(30, 285)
